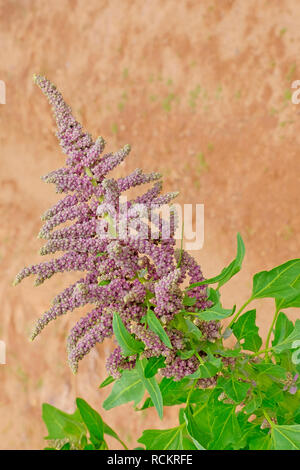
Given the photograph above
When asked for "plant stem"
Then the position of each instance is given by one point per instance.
(271, 329)
(261, 352)
(199, 358)
(240, 311)
(268, 418)
(190, 393)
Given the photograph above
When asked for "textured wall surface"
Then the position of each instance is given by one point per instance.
(202, 92)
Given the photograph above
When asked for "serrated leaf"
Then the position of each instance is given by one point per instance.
(128, 388)
(62, 425)
(162, 439)
(235, 389)
(227, 273)
(153, 364)
(278, 282)
(283, 329)
(286, 437)
(92, 420)
(193, 430)
(155, 326)
(151, 385)
(245, 329)
(287, 343)
(128, 344)
(217, 312)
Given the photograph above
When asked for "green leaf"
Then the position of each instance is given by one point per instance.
(151, 386)
(153, 364)
(162, 439)
(217, 312)
(286, 437)
(287, 343)
(283, 329)
(228, 272)
(189, 301)
(245, 329)
(192, 329)
(104, 283)
(128, 388)
(278, 282)
(110, 432)
(263, 442)
(253, 404)
(155, 326)
(62, 425)
(271, 369)
(208, 369)
(107, 381)
(193, 429)
(92, 420)
(225, 427)
(291, 300)
(235, 389)
(128, 344)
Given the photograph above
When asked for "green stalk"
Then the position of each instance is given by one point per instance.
(270, 330)
(240, 311)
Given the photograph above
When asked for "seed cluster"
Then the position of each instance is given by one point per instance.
(129, 274)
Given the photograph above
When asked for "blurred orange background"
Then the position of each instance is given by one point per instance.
(202, 92)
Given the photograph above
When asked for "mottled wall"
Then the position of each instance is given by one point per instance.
(201, 90)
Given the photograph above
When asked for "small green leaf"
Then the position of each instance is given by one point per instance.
(286, 437)
(162, 439)
(107, 381)
(208, 369)
(155, 326)
(193, 430)
(217, 312)
(92, 420)
(235, 389)
(253, 404)
(151, 386)
(189, 301)
(227, 273)
(246, 329)
(192, 329)
(278, 282)
(128, 344)
(104, 282)
(283, 328)
(153, 364)
(62, 425)
(287, 343)
(128, 388)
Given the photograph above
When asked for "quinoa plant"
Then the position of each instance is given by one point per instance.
(166, 318)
